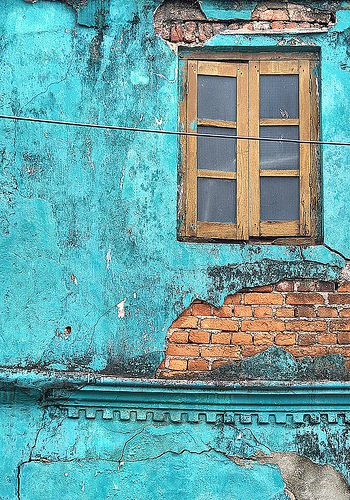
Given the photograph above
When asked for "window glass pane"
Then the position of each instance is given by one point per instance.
(216, 200)
(279, 96)
(279, 155)
(217, 97)
(279, 198)
(216, 154)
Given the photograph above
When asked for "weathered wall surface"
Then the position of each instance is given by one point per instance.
(292, 330)
(92, 275)
(143, 441)
(88, 218)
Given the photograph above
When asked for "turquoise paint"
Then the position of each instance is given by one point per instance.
(101, 206)
(224, 10)
(88, 219)
(132, 439)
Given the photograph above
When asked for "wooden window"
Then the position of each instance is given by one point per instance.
(240, 189)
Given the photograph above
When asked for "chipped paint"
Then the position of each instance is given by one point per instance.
(88, 219)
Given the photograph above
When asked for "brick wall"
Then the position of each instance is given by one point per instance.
(183, 22)
(305, 318)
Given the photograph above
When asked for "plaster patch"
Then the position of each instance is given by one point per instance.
(306, 480)
(121, 308)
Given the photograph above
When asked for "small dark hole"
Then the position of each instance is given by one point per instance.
(68, 330)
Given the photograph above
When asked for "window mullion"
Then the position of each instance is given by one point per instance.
(304, 131)
(191, 171)
(242, 154)
(254, 149)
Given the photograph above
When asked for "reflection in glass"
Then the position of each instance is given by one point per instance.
(216, 154)
(279, 198)
(216, 200)
(279, 155)
(217, 97)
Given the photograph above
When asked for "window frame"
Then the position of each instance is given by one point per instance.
(247, 67)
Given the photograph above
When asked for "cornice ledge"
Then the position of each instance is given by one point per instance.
(151, 400)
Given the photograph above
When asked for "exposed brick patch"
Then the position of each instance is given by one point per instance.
(182, 22)
(302, 317)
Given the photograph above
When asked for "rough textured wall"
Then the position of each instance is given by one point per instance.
(92, 274)
(130, 441)
(185, 23)
(306, 320)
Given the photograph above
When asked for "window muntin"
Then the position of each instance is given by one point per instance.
(270, 181)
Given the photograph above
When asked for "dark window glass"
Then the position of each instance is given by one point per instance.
(279, 96)
(216, 154)
(217, 97)
(279, 198)
(216, 200)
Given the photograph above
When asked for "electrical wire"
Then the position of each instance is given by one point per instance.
(168, 132)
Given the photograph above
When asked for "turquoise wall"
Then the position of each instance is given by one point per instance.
(88, 221)
(114, 439)
(88, 217)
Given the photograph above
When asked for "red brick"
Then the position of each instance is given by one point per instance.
(306, 286)
(198, 364)
(204, 32)
(220, 351)
(263, 14)
(252, 350)
(177, 364)
(263, 298)
(241, 338)
(228, 325)
(305, 312)
(344, 313)
(189, 32)
(221, 338)
(327, 312)
(263, 326)
(285, 339)
(243, 311)
(278, 25)
(201, 310)
(185, 322)
(263, 338)
(176, 33)
(262, 312)
(217, 363)
(306, 326)
(173, 374)
(223, 312)
(344, 350)
(285, 286)
(182, 350)
(291, 25)
(199, 337)
(186, 312)
(301, 351)
(264, 288)
(304, 298)
(285, 312)
(339, 298)
(326, 286)
(307, 339)
(233, 299)
(342, 325)
(344, 338)
(344, 287)
(179, 337)
(327, 338)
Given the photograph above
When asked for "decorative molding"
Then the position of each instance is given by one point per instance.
(91, 396)
(196, 403)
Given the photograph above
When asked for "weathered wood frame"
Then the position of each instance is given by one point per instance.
(247, 68)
